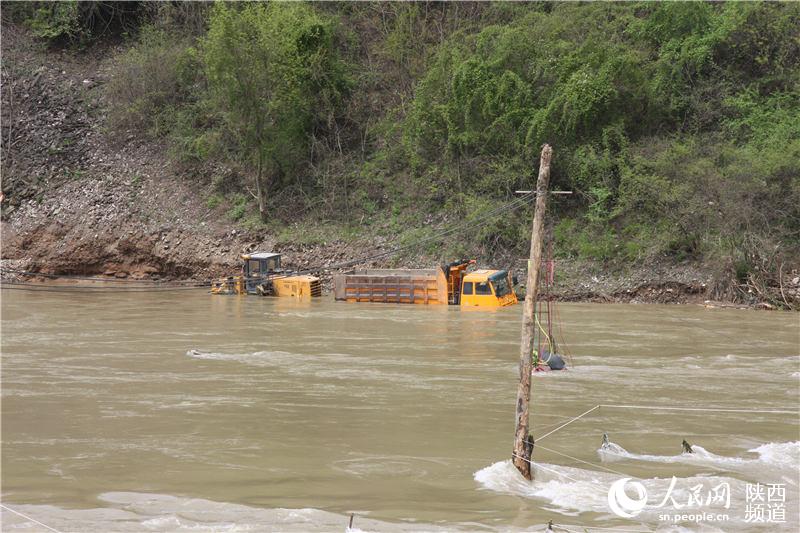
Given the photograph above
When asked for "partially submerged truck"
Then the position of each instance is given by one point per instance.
(262, 275)
(449, 284)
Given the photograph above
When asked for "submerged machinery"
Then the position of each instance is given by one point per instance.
(449, 284)
(262, 275)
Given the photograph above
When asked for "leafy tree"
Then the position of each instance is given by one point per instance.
(75, 21)
(273, 69)
(55, 20)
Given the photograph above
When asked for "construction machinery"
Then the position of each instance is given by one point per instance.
(262, 275)
(449, 284)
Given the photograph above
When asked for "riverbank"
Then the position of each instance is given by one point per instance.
(80, 200)
(573, 282)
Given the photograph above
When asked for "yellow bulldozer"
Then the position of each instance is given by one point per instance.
(262, 275)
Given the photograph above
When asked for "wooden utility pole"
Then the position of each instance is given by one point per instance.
(523, 441)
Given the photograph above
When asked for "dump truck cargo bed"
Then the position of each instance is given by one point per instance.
(409, 286)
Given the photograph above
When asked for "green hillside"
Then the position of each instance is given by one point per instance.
(677, 125)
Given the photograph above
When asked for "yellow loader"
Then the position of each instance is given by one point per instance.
(262, 275)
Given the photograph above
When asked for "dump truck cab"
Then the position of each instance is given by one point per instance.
(487, 288)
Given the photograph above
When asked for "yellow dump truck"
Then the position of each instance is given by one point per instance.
(262, 275)
(450, 284)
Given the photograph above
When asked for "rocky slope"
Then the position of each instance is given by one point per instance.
(78, 200)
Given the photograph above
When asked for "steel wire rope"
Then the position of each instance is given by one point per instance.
(37, 287)
(150, 283)
(100, 279)
(560, 333)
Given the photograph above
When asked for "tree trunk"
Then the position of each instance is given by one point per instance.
(260, 190)
(523, 441)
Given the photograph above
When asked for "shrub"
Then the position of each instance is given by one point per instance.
(151, 79)
(73, 21)
(273, 70)
(55, 20)
(213, 201)
(238, 207)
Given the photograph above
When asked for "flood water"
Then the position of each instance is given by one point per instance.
(187, 411)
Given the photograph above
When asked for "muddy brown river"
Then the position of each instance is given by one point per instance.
(191, 412)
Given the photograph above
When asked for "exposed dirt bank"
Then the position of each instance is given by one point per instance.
(79, 201)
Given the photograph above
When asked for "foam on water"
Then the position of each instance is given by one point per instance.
(780, 454)
(340, 366)
(574, 491)
(773, 455)
(134, 511)
(570, 489)
(256, 358)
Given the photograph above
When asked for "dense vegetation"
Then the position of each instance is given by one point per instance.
(676, 124)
